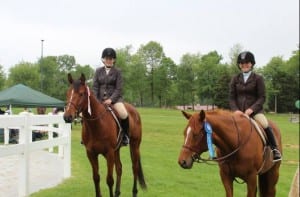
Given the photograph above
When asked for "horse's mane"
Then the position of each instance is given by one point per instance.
(220, 112)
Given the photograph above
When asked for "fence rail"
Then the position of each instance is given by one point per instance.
(26, 124)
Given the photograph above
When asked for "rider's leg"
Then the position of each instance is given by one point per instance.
(120, 107)
(270, 135)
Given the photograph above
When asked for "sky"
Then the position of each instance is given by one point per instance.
(83, 28)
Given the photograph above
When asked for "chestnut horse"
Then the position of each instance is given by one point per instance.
(100, 135)
(240, 150)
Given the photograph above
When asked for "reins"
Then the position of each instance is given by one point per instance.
(198, 159)
(79, 110)
(101, 114)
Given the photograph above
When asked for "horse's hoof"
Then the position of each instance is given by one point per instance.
(117, 194)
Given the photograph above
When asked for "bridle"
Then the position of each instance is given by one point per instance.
(80, 109)
(72, 104)
(197, 158)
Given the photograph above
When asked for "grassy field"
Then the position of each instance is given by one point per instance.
(162, 141)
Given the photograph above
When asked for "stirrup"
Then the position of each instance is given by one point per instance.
(276, 155)
(125, 140)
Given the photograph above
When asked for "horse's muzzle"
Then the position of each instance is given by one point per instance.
(68, 119)
(185, 165)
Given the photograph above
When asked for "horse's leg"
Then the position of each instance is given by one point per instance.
(268, 181)
(252, 185)
(135, 155)
(118, 172)
(110, 162)
(93, 158)
(135, 141)
(227, 183)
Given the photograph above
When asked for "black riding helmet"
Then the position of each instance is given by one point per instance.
(109, 52)
(245, 57)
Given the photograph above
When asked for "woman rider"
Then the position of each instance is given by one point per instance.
(247, 96)
(107, 86)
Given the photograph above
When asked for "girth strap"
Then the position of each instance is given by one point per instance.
(119, 137)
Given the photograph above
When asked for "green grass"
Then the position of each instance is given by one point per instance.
(162, 141)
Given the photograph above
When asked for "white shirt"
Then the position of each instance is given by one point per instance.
(246, 76)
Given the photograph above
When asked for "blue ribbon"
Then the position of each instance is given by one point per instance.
(208, 130)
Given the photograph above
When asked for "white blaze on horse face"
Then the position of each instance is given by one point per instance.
(187, 135)
(70, 100)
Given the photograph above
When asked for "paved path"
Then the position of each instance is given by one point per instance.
(45, 171)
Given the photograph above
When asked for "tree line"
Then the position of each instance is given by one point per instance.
(152, 79)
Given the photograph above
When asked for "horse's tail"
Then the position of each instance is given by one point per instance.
(141, 176)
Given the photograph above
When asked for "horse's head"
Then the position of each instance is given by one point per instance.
(194, 139)
(77, 97)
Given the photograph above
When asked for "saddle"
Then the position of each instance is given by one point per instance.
(115, 115)
(267, 151)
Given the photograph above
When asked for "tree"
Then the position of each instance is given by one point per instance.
(221, 87)
(25, 73)
(234, 52)
(282, 88)
(2, 78)
(66, 63)
(123, 61)
(138, 85)
(163, 78)
(207, 76)
(151, 55)
(186, 79)
(292, 70)
(49, 72)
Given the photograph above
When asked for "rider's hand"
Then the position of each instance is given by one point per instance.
(249, 111)
(238, 113)
(107, 102)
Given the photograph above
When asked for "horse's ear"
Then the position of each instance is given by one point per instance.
(70, 79)
(186, 115)
(201, 115)
(82, 78)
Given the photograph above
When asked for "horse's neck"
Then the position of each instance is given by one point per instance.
(94, 106)
(225, 132)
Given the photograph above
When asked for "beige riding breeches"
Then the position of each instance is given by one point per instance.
(120, 108)
(261, 118)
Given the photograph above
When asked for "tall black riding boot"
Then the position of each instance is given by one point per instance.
(125, 128)
(273, 145)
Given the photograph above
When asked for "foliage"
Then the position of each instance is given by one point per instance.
(137, 82)
(207, 76)
(152, 79)
(186, 78)
(2, 78)
(25, 73)
(151, 56)
(221, 96)
(282, 81)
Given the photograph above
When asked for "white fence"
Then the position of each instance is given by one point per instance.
(26, 124)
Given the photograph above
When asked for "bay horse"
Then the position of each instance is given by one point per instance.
(100, 133)
(240, 150)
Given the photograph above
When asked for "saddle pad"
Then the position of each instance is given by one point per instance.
(259, 130)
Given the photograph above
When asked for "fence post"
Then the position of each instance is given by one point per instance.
(50, 137)
(67, 151)
(6, 135)
(24, 158)
(60, 134)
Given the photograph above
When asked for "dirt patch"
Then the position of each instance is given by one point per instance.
(294, 146)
